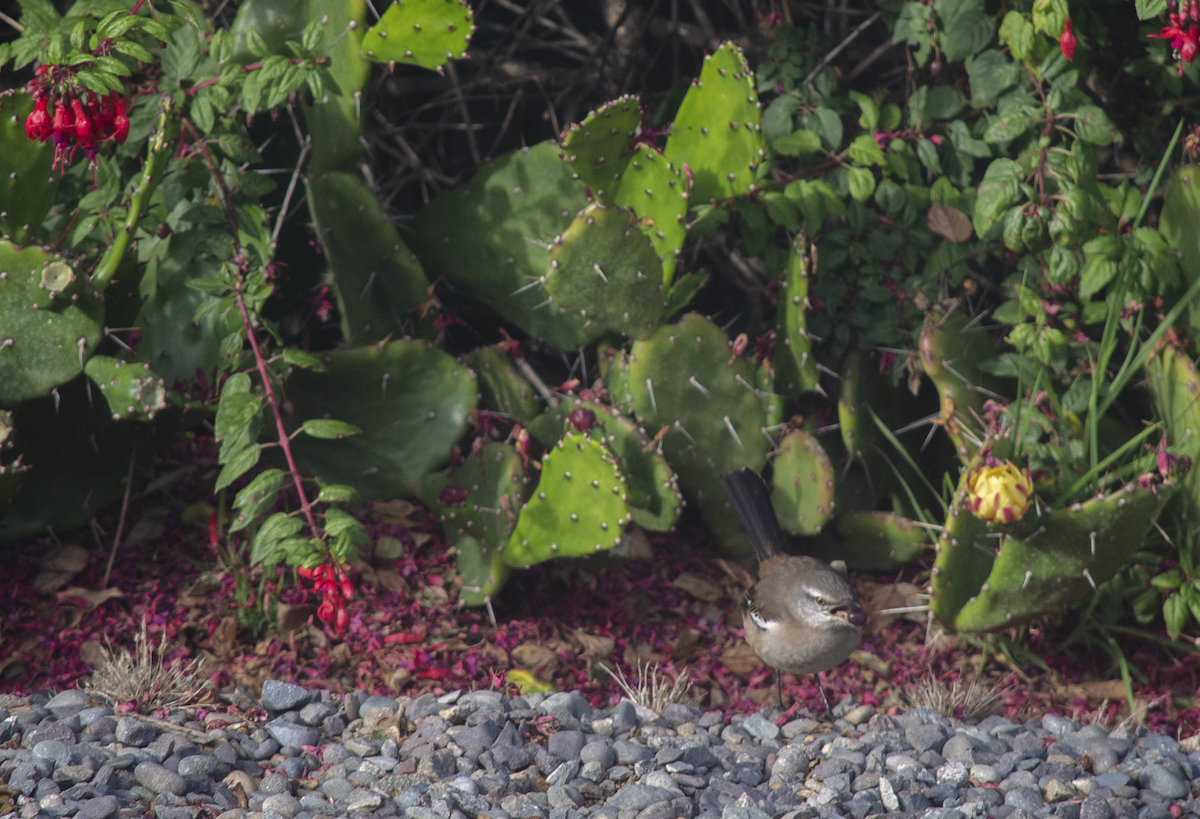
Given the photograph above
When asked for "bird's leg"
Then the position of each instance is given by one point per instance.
(821, 688)
(779, 689)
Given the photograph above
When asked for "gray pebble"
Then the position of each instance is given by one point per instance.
(292, 734)
(1159, 779)
(158, 779)
(759, 727)
(135, 733)
(566, 744)
(278, 695)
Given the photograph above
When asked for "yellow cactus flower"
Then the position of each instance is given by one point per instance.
(999, 491)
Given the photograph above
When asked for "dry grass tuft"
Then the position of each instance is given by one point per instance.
(653, 691)
(141, 677)
(968, 701)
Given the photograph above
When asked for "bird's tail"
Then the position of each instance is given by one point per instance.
(752, 502)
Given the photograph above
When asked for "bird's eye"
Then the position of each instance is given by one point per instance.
(820, 601)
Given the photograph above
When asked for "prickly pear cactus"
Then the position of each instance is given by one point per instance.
(1175, 387)
(950, 355)
(614, 369)
(873, 541)
(377, 280)
(652, 488)
(1180, 215)
(795, 366)
(854, 397)
(803, 479)
(599, 148)
(603, 270)
(427, 33)
(479, 497)
(411, 403)
(718, 129)
(965, 552)
(131, 389)
(334, 120)
(1061, 557)
(492, 239)
(579, 507)
(657, 192)
(28, 183)
(686, 379)
(483, 570)
(502, 388)
(49, 322)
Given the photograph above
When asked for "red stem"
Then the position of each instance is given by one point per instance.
(264, 371)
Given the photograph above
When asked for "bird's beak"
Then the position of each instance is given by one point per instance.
(852, 614)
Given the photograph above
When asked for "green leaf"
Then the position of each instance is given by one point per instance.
(866, 151)
(1093, 125)
(238, 465)
(1049, 16)
(798, 142)
(870, 110)
(257, 497)
(337, 493)
(276, 528)
(131, 49)
(961, 137)
(1096, 273)
(944, 102)
(1175, 612)
(328, 429)
(1007, 127)
(999, 190)
(339, 523)
(862, 183)
(991, 74)
(968, 33)
(301, 358)
(890, 196)
(1017, 33)
(1147, 9)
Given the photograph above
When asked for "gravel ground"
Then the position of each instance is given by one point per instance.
(308, 755)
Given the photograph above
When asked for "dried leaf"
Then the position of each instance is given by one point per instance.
(595, 645)
(65, 559)
(640, 655)
(532, 655)
(635, 545)
(394, 513)
(293, 617)
(224, 638)
(890, 596)
(87, 598)
(92, 653)
(949, 223)
(740, 659)
(699, 587)
(737, 574)
(46, 582)
(687, 646)
(149, 528)
(1100, 690)
(393, 582)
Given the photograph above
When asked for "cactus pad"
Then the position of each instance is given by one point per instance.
(483, 570)
(502, 388)
(804, 483)
(495, 487)
(598, 149)
(28, 183)
(873, 541)
(492, 239)
(686, 379)
(427, 33)
(657, 193)
(377, 280)
(965, 552)
(795, 366)
(411, 404)
(1061, 557)
(1175, 387)
(652, 488)
(49, 322)
(334, 120)
(605, 271)
(131, 389)
(579, 507)
(718, 130)
(951, 359)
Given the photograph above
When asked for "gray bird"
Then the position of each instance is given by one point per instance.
(801, 617)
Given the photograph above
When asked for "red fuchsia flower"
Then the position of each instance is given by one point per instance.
(120, 121)
(333, 584)
(1067, 40)
(1183, 31)
(37, 124)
